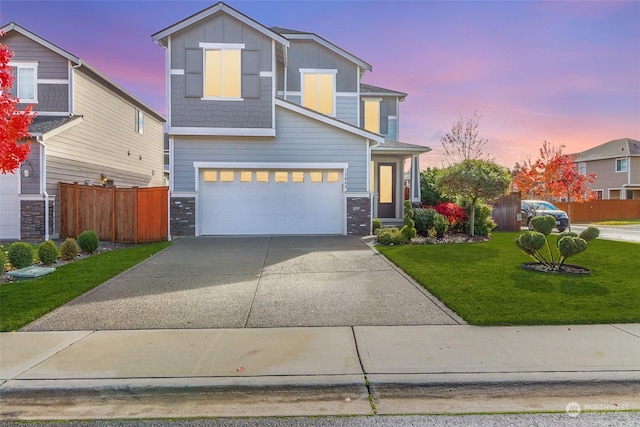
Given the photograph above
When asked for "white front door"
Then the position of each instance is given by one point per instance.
(9, 206)
(270, 201)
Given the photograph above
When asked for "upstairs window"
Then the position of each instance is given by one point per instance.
(25, 87)
(372, 115)
(222, 73)
(621, 165)
(319, 90)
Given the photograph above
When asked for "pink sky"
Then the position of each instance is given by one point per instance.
(565, 72)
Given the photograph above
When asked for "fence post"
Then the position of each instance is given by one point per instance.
(76, 211)
(113, 213)
(135, 214)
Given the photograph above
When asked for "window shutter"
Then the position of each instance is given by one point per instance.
(250, 74)
(193, 73)
(384, 117)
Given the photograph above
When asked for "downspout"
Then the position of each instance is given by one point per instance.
(43, 186)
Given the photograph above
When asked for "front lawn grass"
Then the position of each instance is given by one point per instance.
(24, 301)
(486, 285)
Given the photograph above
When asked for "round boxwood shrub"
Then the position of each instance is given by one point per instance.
(48, 252)
(20, 255)
(391, 236)
(69, 249)
(376, 225)
(88, 241)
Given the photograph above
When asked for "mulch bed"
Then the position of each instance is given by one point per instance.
(449, 238)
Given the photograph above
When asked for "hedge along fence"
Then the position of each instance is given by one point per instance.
(127, 215)
(601, 210)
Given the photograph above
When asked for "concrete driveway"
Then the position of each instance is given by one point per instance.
(254, 282)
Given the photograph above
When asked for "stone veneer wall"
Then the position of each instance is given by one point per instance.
(359, 216)
(32, 219)
(182, 215)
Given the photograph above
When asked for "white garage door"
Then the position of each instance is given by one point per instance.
(9, 207)
(270, 201)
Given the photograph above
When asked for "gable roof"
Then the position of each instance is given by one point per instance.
(329, 120)
(302, 35)
(12, 26)
(370, 90)
(78, 63)
(161, 35)
(617, 148)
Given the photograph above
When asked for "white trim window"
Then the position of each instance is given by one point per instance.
(621, 164)
(25, 82)
(139, 122)
(222, 70)
(318, 89)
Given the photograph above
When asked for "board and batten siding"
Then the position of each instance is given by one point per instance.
(299, 139)
(105, 141)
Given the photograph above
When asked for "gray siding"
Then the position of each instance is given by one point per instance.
(194, 112)
(392, 133)
(51, 97)
(31, 185)
(299, 140)
(347, 109)
(388, 116)
(187, 107)
(309, 54)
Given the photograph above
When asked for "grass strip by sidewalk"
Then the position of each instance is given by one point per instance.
(486, 285)
(24, 301)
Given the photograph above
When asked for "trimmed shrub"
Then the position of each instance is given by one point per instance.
(376, 224)
(88, 241)
(69, 249)
(440, 225)
(20, 255)
(423, 219)
(483, 221)
(391, 236)
(409, 229)
(589, 234)
(48, 252)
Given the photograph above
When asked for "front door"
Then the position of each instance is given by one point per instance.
(386, 190)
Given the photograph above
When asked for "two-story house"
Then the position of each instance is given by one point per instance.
(271, 131)
(617, 167)
(87, 130)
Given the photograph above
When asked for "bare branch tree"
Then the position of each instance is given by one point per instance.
(463, 142)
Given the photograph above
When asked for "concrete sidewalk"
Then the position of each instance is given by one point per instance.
(317, 371)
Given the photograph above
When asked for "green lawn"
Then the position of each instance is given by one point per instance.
(23, 302)
(486, 285)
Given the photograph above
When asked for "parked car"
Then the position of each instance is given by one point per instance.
(531, 208)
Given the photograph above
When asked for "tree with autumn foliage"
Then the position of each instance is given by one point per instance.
(14, 124)
(554, 174)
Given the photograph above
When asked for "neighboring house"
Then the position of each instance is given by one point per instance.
(272, 132)
(87, 130)
(617, 167)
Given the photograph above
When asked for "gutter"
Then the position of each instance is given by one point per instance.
(43, 186)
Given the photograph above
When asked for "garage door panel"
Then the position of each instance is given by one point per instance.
(270, 207)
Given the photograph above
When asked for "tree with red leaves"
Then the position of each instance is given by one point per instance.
(554, 174)
(14, 124)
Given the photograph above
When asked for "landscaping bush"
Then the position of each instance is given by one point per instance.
(48, 252)
(376, 224)
(483, 221)
(454, 213)
(409, 229)
(69, 249)
(391, 236)
(423, 219)
(88, 241)
(440, 225)
(20, 255)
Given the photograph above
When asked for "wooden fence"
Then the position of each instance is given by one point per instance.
(127, 215)
(506, 212)
(601, 210)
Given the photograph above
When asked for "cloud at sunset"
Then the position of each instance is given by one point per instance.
(565, 72)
